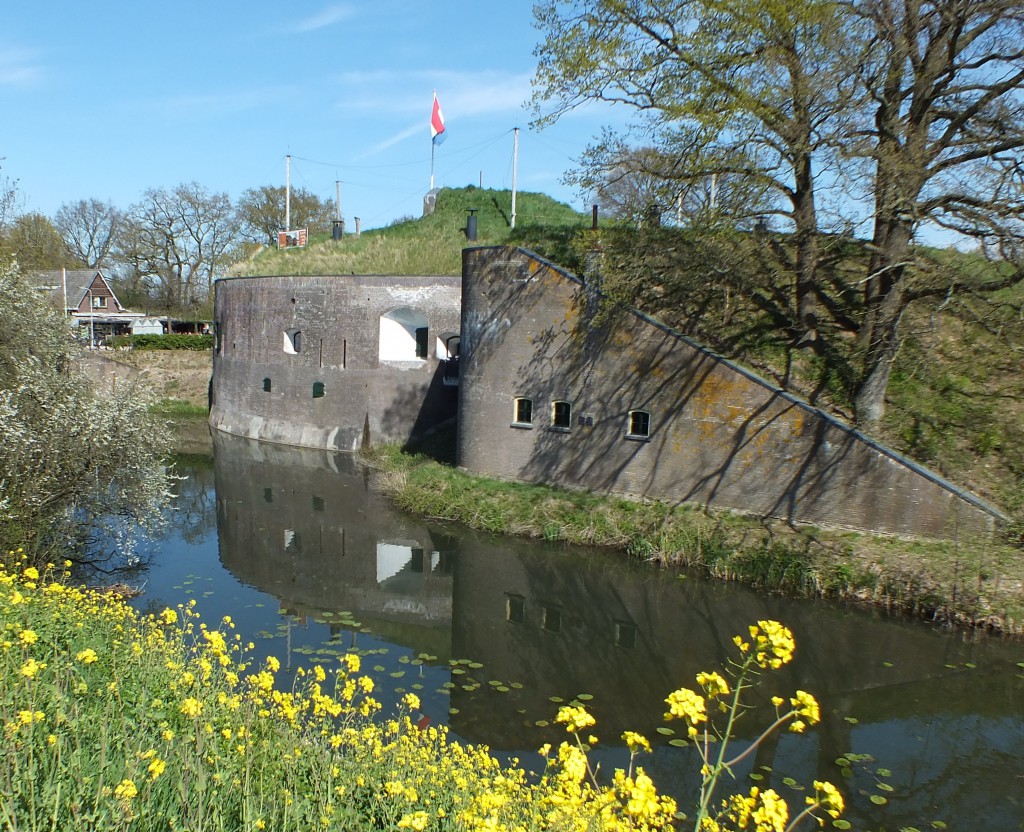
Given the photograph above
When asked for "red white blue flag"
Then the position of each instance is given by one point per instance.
(437, 123)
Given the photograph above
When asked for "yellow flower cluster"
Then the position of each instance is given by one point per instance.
(575, 718)
(686, 704)
(773, 644)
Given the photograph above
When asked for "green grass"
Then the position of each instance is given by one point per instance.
(179, 409)
(431, 245)
(969, 583)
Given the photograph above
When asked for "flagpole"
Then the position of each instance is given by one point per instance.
(432, 144)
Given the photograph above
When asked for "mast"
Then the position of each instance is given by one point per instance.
(515, 168)
(288, 193)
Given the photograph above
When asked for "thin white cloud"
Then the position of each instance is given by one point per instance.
(321, 20)
(19, 67)
(193, 105)
(401, 136)
(396, 92)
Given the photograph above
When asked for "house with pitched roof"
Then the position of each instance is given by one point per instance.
(88, 299)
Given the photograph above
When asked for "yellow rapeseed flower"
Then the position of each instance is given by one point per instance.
(87, 656)
(636, 742)
(31, 668)
(31, 573)
(126, 790)
(685, 704)
(411, 701)
(713, 684)
(191, 707)
(575, 718)
(28, 637)
(156, 768)
(828, 797)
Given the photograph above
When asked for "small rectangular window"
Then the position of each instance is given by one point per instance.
(318, 389)
(523, 413)
(639, 424)
(266, 385)
(551, 619)
(561, 415)
(421, 342)
(292, 341)
(625, 635)
(515, 609)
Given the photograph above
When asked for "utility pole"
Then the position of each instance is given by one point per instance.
(288, 193)
(337, 199)
(515, 167)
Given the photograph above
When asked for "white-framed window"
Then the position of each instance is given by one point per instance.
(561, 415)
(522, 411)
(638, 425)
(99, 302)
(292, 341)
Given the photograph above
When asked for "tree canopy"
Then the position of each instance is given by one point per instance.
(885, 117)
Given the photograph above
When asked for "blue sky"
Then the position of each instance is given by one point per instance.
(104, 100)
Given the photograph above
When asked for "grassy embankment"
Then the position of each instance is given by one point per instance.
(112, 721)
(966, 583)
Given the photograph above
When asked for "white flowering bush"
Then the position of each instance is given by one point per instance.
(64, 443)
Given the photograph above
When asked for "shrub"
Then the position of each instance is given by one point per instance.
(162, 342)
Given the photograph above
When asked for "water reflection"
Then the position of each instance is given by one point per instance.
(504, 626)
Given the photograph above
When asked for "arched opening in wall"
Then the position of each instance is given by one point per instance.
(403, 336)
(447, 351)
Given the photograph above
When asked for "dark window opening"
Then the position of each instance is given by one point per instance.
(625, 635)
(552, 619)
(266, 385)
(523, 412)
(515, 609)
(421, 342)
(318, 389)
(318, 503)
(639, 424)
(561, 415)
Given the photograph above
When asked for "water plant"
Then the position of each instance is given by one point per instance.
(116, 720)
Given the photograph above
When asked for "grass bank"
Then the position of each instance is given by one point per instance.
(117, 721)
(976, 584)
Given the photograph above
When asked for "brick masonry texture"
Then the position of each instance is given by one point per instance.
(334, 392)
(718, 434)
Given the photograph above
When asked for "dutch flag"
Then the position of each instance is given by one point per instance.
(437, 123)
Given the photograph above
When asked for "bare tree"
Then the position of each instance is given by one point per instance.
(89, 228)
(179, 241)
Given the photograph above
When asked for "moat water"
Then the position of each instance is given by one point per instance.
(493, 634)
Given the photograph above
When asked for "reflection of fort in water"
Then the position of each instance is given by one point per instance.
(307, 527)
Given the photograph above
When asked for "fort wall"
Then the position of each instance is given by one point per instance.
(549, 395)
(333, 362)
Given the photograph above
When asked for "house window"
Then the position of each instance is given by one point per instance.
(292, 341)
(99, 302)
(266, 385)
(639, 425)
(523, 412)
(318, 389)
(561, 415)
